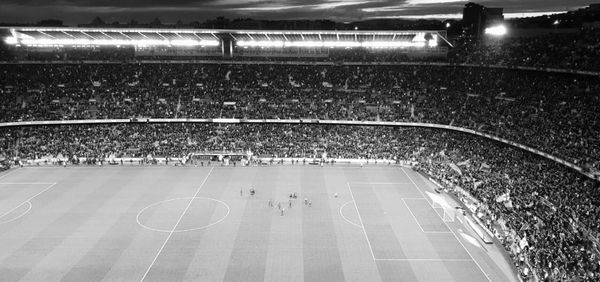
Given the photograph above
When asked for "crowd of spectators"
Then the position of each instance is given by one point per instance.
(555, 113)
(579, 50)
(554, 208)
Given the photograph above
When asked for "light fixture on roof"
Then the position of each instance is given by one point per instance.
(114, 42)
(10, 40)
(336, 44)
(255, 43)
(499, 30)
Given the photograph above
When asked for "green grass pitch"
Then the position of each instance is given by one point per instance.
(201, 224)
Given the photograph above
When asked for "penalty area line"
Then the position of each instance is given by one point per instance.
(28, 200)
(413, 215)
(448, 226)
(424, 259)
(27, 183)
(381, 183)
(10, 172)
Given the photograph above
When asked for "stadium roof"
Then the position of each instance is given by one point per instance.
(60, 36)
(46, 36)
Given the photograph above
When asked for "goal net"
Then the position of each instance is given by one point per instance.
(438, 202)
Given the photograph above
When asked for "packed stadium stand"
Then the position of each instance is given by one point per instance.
(302, 78)
(553, 112)
(576, 51)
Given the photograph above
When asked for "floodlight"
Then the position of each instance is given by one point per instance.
(303, 44)
(499, 30)
(188, 42)
(114, 42)
(11, 40)
(338, 44)
(393, 44)
(254, 43)
(341, 44)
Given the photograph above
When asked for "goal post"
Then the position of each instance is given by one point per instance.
(449, 215)
(449, 212)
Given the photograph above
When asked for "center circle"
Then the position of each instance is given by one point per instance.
(182, 214)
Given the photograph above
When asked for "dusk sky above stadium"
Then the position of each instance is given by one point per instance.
(83, 11)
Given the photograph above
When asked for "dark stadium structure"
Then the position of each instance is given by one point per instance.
(408, 130)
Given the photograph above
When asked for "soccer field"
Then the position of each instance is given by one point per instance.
(194, 223)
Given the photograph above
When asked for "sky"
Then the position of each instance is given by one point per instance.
(73, 12)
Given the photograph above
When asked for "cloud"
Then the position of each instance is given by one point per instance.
(396, 8)
(83, 11)
(270, 8)
(317, 6)
(428, 2)
(336, 4)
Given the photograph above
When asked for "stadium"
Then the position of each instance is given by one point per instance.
(199, 153)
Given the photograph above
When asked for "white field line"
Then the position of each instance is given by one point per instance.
(413, 215)
(21, 215)
(452, 231)
(426, 259)
(176, 224)
(137, 218)
(28, 200)
(416, 220)
(162, 166)
(27, 183)
(361, 221)
(10, 172)
(382, 183)
(344, 217)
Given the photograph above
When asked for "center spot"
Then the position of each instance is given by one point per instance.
(168, 215)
